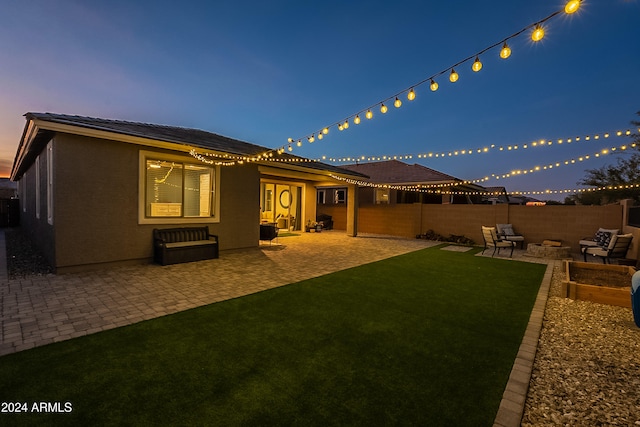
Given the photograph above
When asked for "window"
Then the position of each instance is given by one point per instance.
(382, 195)
(175, 190)
(268, 200)
(322, 197)
(341, 196)
(23, 184)
(37, 167)
(50, 182)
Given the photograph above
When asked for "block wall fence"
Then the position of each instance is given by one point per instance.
(568, 224)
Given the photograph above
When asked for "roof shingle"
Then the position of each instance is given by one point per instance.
(396, 172)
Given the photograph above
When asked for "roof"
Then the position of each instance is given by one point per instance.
(40, 128)
(496, 190)
(397, 172)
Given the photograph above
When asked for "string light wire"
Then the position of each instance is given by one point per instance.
(459, 152)
(571, 7)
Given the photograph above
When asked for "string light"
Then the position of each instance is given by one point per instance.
(477, 65)
(356, 120)
(446, 188)
(506, 51)
(397, 103)
(549, 166)
(537, 34)
(453, 77)
(383, 109)
(231, 160)
(572, 7)
(369, 115)
(483, 150)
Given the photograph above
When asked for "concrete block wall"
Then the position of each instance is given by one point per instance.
(568, 224)
(338, 214)
(397, 220)
(462, 220)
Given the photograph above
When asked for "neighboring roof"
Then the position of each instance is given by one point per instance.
(397, 172)
(496, 190)
(40, 128)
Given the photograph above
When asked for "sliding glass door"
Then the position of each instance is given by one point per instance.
(281, 203)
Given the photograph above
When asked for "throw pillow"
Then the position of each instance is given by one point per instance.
(603, 238)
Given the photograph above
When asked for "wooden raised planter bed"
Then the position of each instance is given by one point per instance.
(600, 283)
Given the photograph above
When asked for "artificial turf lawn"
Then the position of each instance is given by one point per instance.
(426, 338)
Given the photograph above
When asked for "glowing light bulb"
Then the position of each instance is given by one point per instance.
(320, 135)
(346, 124)
(477, 65)
(506, 51)
(572, 6)
(290, 140)
(397, 103)
(433, 86)
(312, 138)
(453, 77)
(340, 127)
(538, 33)
(369, 114)
(290, 148)
(299, 143)
(325, 131)
(383, 108)
(411, 95)
(356, 119)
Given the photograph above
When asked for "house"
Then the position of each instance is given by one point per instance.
(7, 189)
(393, 181)
(92, 190)
(496, 195)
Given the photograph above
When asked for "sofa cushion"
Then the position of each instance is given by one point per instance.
(189, 243)
(505, 229)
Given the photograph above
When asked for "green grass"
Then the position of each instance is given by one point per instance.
(426, 338)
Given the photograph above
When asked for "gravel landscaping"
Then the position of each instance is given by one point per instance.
(587, 367)
(22, 258)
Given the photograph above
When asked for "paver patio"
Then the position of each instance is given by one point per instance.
(44, 309)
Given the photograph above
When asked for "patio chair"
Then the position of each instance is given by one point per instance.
(491, 240)
(601, 238)
(269, 232)
(617, 248)
(505, 231)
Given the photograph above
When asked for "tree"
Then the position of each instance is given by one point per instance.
(626, 172)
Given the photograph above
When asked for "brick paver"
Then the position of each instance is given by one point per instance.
(45, 309)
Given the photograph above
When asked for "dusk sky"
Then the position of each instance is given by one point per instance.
(266, 71)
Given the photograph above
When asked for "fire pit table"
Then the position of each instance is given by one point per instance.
(550, 249)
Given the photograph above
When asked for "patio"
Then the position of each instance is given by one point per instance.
(43, 309)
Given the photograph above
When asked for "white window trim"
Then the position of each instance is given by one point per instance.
(142, 166)
(23, 181)
(37, 167)
(50, 182)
